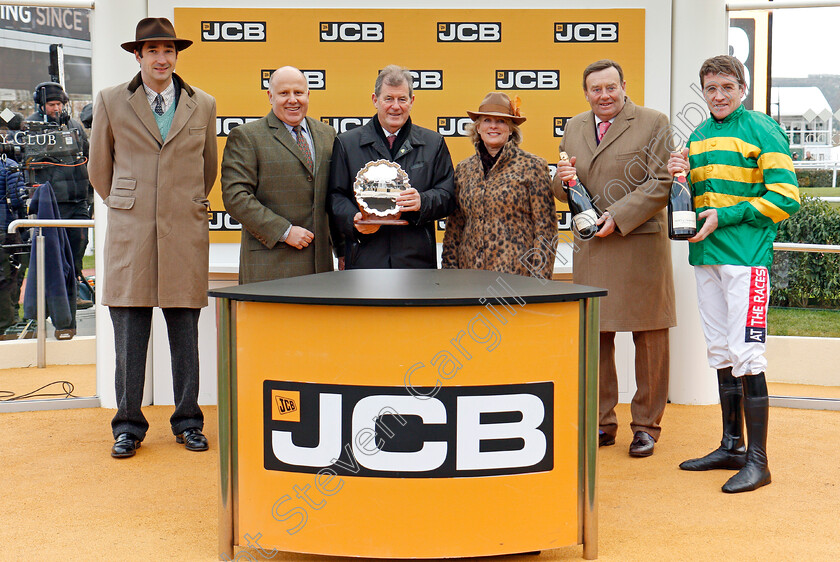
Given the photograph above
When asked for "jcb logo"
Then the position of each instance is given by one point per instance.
(344, 124)
(564, 219)
(233, 31)
(582, 32)
(265, 76)
(285, 405)
(453, 126)
(384, 432)
(560, 125)
(469, 32)
(221, 221)
(315, 79)
(427, 79)
(352, 31)
(224, 125)
(527, 80)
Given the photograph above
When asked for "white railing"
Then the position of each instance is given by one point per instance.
(832, 165)
(814, 248)
(810, 403)
(40, 224)
(770, 5)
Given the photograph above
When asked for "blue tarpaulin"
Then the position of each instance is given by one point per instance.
(59, 273)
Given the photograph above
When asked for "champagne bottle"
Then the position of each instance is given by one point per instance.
(682, 220)
(584, 212)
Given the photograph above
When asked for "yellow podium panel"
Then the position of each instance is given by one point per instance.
(408, 432)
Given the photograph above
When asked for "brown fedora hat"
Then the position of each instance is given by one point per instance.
(155, 29)
(498, 104)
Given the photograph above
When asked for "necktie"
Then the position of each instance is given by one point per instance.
(602, 130)
(303, 145)
(159, 104)
(391, 140)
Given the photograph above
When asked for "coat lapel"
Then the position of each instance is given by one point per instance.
(369, 136)
(410, 143)
(282, 134)
(589, 133)
(183, 112)
(620, 124)
(321, 140)
(140, 105)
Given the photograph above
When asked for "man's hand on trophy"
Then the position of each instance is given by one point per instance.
(299, 237)
(364, 228)
(409, 200)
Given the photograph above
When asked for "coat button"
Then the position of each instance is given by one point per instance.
(709, 169)
(308, 178)
(714, 143)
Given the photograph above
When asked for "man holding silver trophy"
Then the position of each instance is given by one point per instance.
(402, 236)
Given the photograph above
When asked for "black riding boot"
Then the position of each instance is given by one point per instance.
(755, 473)
(731, 454)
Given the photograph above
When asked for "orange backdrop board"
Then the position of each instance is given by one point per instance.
(456, 56)
(304, 401)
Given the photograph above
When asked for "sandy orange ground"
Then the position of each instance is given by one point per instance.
(26, 380)
(65, 498)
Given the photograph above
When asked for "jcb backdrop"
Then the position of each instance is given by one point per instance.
(456, 57)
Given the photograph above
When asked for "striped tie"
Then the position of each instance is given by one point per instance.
(303, 145)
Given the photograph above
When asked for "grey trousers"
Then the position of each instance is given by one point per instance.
(132, 326)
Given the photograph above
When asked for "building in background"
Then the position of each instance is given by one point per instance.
(807, 119)
(26, 33)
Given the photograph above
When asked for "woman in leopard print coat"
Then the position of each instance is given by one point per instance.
(505, 207)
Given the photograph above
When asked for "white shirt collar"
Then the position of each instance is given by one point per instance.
(302, 126)
(168, 95)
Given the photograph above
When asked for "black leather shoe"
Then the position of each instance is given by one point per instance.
(720, 458)
(605, 439)
(194, 440)
(125, 446)
(642, 445)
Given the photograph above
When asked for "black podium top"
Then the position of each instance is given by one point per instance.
(408, 287)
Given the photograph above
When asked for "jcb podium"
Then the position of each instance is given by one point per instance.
(408, 414)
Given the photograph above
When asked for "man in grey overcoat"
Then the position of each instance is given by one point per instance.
(153, 159)
(619, 150)
(274, 181)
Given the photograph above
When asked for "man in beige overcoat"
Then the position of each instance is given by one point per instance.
(274, 181)
(619, 151)
(153, 159)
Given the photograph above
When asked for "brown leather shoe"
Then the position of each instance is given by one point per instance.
(642, 445)
(65, 334)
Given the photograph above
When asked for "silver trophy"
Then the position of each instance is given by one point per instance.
(377, 186)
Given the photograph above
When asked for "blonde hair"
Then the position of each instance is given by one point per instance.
(515, 131)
